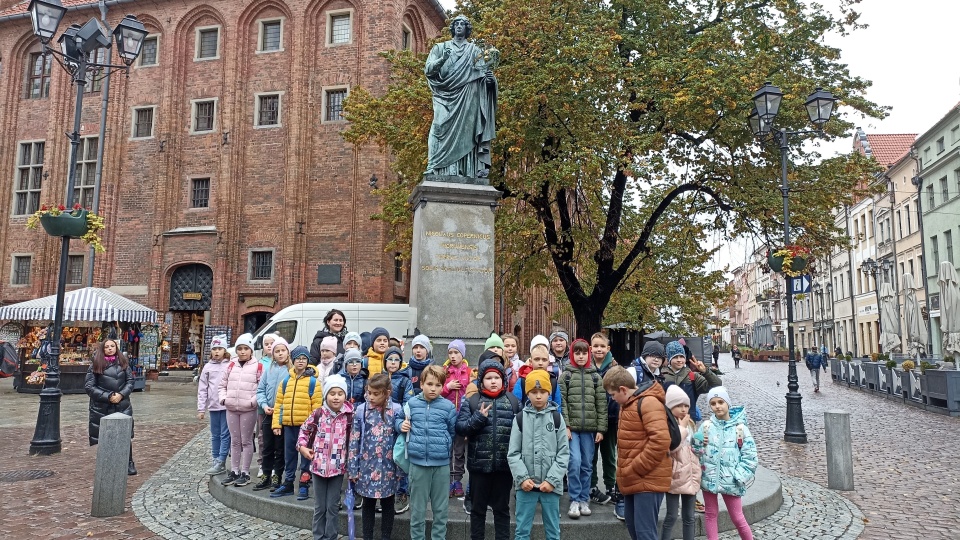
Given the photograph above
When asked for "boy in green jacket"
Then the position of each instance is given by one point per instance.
(538, 457)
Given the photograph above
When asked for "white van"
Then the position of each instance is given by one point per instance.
(300, 322)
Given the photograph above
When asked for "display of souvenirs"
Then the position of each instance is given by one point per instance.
(11, 332)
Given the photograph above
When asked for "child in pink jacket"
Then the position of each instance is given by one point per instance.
(238, 394)
(686, 469)
(324, 440)
(458, 378)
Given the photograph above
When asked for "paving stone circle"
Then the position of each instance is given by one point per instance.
(24, 475)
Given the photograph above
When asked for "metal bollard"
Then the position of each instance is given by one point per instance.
(113, 454)
(839, 450)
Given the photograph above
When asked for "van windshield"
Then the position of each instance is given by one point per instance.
(286, 329)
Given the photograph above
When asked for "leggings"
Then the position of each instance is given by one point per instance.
(369, 515)
(688, 516)
(734, 508)
(241, 439)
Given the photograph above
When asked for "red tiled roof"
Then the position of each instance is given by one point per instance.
(887, 149)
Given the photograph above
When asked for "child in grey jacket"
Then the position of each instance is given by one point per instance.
(538, 456)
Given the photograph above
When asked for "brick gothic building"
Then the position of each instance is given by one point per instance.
(225, 172)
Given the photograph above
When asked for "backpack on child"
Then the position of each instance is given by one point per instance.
(259, 372)
(672, 425)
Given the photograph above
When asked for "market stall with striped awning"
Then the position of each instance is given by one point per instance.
(86, 304)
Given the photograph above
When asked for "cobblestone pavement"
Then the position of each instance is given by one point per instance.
(906, 478)
(58, 507)
(175, 503)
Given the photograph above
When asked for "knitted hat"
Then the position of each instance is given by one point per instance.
(244, 339)
(539, 340)
(493, 341)
(354, 337)
(559, 334)
(329, 343)
(719, 392)
(299, 351)
(674, 348)
(352, 355)
(423, 341)
(490, 365)
(393, 353)
(459, 345)
(277, 340)
(489, 355)
(219, 342)
(653, 348)
(537, 378)
(676, 396)
(334, 381)
(377, 332)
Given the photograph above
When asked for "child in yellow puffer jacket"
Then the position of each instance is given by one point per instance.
(297, 398)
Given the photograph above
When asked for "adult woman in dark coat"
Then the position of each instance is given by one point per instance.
(109, 383)
(334, 324)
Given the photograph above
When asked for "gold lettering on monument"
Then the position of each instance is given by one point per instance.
(461, 242)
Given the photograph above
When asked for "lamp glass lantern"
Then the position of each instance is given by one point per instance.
(767, 101)
(68, 42)
(93, 36)
(129, 35)
(756, 125)
(46, 16)
(869, 266)
(820, 106)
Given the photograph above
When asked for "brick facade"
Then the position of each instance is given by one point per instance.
(297, 189)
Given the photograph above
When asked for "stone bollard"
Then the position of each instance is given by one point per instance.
(839, 450)
(113, 454)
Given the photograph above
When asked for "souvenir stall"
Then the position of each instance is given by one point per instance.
(90, 315)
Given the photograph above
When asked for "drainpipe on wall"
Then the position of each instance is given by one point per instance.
(853, 297)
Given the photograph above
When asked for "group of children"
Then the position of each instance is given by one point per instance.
(531, 425)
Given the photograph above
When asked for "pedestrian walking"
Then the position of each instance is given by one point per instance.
(737, 355)
(815, 362)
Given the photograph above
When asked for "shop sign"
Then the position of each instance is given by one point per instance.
(267, 301)
(192, 296)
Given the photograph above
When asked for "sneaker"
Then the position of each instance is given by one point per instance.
(619, 509)
(376, 507)
(456, 489)
(264, 483)
(599, 497)
(403, 503)
(574, 511)
(698, 506)
(230, 479)
(585, 508)
(358, 504)
(217, 468)
(303, 494)
(277, 482)
(285, 489)
(305, 478)
(467, 505)
(243, 480)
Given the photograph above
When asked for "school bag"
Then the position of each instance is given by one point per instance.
(705, 426)
(313, 384)
(259, 373)
(556, 420)
(400, 454)
(672, 425)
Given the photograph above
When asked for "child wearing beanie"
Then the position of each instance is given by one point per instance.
(458, 378)
(324, 439)
(355, 376)
(271, 447)
(297, 397)
(328, 358)
(379, 343)
(686, 470)
(728, 458)
(538, 455)
(539, 359)
(421, 356)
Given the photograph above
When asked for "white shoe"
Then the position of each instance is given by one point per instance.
(574, 511)
(585, 509)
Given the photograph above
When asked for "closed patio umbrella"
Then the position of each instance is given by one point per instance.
(916, 329)
(949, 308)
(889, 319)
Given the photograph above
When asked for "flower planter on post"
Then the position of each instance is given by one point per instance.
(941, 390)
(72, 224)
(797, 264)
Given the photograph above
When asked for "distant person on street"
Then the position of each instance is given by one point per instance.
(815, 362)
(716, 355)
(737, 355)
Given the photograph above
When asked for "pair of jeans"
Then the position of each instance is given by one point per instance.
(607, 450)
(458, 458)
(815, 377)
(326, 503)
(429, 484)
(219, 435)
(291, 455)
(711, 512)
(271, 449)
(241, 439)
(369, 515)
(640, 512)
(549, 511)
(493, 490)
(688, 516)
(582, 446)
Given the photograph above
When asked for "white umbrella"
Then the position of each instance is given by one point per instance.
(916, 329)
(889, 319)
(949, 308)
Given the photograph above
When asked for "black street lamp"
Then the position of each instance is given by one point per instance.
(875, 269)
(819, 107)
(75, 44)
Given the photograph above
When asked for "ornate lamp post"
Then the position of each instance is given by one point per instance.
(819, 107)
(76, 43)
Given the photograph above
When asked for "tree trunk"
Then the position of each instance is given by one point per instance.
(588, 315)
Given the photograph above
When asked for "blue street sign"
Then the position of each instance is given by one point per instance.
(800, 284)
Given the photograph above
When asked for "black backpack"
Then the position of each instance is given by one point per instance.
(672, 425)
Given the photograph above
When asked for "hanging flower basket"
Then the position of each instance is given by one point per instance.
(78, 223)
(789, 260)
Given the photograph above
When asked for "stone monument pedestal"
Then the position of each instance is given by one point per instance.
(452, 262)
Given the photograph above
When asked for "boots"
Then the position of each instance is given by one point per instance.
(131, 469)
